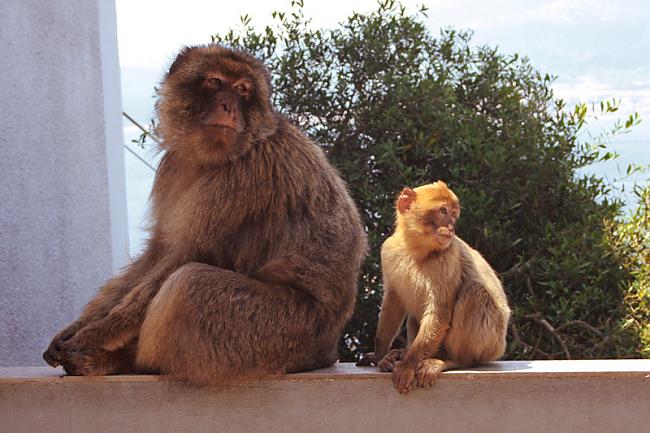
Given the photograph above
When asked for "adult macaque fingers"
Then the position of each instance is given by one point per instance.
(52, 357)
(53, 354)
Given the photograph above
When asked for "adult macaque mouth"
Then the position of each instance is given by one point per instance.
(234, 125)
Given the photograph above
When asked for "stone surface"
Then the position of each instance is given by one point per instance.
(62, 220)
(536, 396)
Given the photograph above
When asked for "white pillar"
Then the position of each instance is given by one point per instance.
(63, 227)
(113, 132)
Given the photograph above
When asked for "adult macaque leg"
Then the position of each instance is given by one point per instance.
(260, 330)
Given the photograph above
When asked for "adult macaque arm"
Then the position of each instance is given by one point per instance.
(108, 297)
(123, 321)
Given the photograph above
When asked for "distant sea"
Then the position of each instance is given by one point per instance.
(139, 179)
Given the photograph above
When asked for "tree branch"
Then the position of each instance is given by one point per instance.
(516, 269)
(541, 321)
(582, 324)
(527, 347)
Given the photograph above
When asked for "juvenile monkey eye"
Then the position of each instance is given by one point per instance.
(443, 210)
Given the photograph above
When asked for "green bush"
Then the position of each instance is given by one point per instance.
(630, 238)
(393, 105)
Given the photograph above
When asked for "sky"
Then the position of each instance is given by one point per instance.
(598, 49)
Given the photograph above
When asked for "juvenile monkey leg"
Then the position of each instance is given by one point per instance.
(211, 325)
(478, 328)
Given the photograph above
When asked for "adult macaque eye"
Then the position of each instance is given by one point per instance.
(242, 89)
(443, 210)
(214, 82)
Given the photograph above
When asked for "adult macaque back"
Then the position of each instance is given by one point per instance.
(255, 245)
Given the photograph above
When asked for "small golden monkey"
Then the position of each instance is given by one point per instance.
(456, 307)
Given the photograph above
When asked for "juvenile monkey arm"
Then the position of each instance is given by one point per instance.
(432, 332)
(433, 328)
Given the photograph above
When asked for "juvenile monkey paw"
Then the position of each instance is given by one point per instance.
(396, 355)
(428, 371)
(386, 365)
(403, 376)
(388, 362)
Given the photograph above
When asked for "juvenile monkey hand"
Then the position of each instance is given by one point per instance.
(428, 371)
(388, 362)
(404, 376)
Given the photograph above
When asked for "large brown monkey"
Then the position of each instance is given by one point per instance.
(456, 307)
(255, 246)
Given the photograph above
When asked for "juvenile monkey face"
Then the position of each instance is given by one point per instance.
(429, 213)
(214, 102)
(441, 218)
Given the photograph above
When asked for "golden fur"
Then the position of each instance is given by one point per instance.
(456, 307)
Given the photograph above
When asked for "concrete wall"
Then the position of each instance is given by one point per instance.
(63, 228)
(505, 397)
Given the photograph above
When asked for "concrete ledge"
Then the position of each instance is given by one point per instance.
(509, 396)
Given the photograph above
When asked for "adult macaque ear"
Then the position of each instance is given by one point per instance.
(180, 58)
(405, 200)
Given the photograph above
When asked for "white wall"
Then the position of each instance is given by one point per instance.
(63, 227)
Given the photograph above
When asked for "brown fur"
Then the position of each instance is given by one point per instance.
(255, 244)
(456, 307)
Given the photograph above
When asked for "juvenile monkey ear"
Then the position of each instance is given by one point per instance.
(405, 200)
(180, 58)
